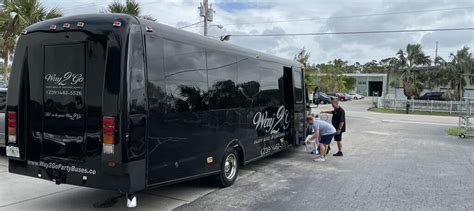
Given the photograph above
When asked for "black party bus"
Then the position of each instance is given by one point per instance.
(114, 102)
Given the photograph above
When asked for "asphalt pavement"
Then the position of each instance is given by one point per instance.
(391, 161)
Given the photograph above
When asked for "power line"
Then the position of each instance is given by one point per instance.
(353, 32)
(348, 16)
(190, 25)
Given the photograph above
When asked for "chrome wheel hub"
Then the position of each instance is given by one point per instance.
(230, 166)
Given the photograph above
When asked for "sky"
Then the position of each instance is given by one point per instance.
(306, 16)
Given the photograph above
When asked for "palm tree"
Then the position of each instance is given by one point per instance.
(25, 13)
(409, 63)
(15, 16)
(130, 7)
(7, 47)
(453, 71)
(7, 42)
(310, 72)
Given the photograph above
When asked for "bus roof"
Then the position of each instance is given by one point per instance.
(169, 31)
(165, 30)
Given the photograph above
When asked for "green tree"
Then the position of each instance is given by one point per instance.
(15, 16)
(310, 73)
(350, 83)
(452, 72)
(331, 78)
(130, 7)
(408, 64)
(373, 67)
(7, 42)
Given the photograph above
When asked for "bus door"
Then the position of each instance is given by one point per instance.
(299, 105)
(294, 102)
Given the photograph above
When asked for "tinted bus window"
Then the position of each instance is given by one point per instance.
(248, 84)
(185, 75)
(298, 86)
(222, 76)
(156, 75)
(136, 69)
(3, 101)
(270, 75)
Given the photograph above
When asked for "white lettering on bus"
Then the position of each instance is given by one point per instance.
(261, 120)
(68, 78)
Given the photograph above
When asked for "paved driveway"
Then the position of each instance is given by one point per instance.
(391, 161)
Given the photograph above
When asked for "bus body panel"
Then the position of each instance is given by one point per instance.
(179, 100)
(63, 82)
(205, 96)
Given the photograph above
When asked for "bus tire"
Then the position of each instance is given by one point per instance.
(229, 168)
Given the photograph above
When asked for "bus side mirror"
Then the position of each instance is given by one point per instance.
(316, 99)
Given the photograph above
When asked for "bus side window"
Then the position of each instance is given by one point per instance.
(185, 77)
(156, 75)
(222, 80)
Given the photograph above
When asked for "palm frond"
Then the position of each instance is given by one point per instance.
(132, 7)
(54, 13)
(148, 17)
(116, 7)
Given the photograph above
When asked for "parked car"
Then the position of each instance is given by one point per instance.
(342, 97)
(3, 106)
(339, 96)
(333, 95)
(432, 96)
(348, 97)
(356, 96)
(323, 98)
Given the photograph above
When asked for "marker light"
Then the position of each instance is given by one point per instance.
(108, 134)
(117, 23)
(11, 117)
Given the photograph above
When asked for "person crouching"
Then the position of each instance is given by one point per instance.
(324, 132)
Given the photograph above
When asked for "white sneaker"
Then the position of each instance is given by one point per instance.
(319, 159)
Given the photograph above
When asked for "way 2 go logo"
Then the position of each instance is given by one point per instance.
(68, 78)
(271, 123)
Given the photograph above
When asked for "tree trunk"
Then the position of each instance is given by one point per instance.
(455, 88)
(5, 66)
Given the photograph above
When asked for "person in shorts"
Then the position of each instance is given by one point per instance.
(312, 145)
(324, 132)
(339, 122)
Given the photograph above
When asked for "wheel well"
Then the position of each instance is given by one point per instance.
(240, 151)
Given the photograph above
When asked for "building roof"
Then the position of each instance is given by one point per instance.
(365, 74)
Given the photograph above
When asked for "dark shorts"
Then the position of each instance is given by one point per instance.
(338, 137)
(326, 139)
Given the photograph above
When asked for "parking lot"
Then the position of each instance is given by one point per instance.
(391, 161)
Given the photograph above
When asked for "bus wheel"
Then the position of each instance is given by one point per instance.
(229, 168)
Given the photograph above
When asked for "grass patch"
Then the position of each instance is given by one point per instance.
(393, 111)
(453, 131)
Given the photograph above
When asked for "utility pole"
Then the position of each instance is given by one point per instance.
(207, 13)
(436, 54)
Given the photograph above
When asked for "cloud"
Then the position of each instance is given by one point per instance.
(278, 16)
(448, 39)
(234, 6)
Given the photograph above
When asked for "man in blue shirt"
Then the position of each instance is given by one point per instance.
(324, 132)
